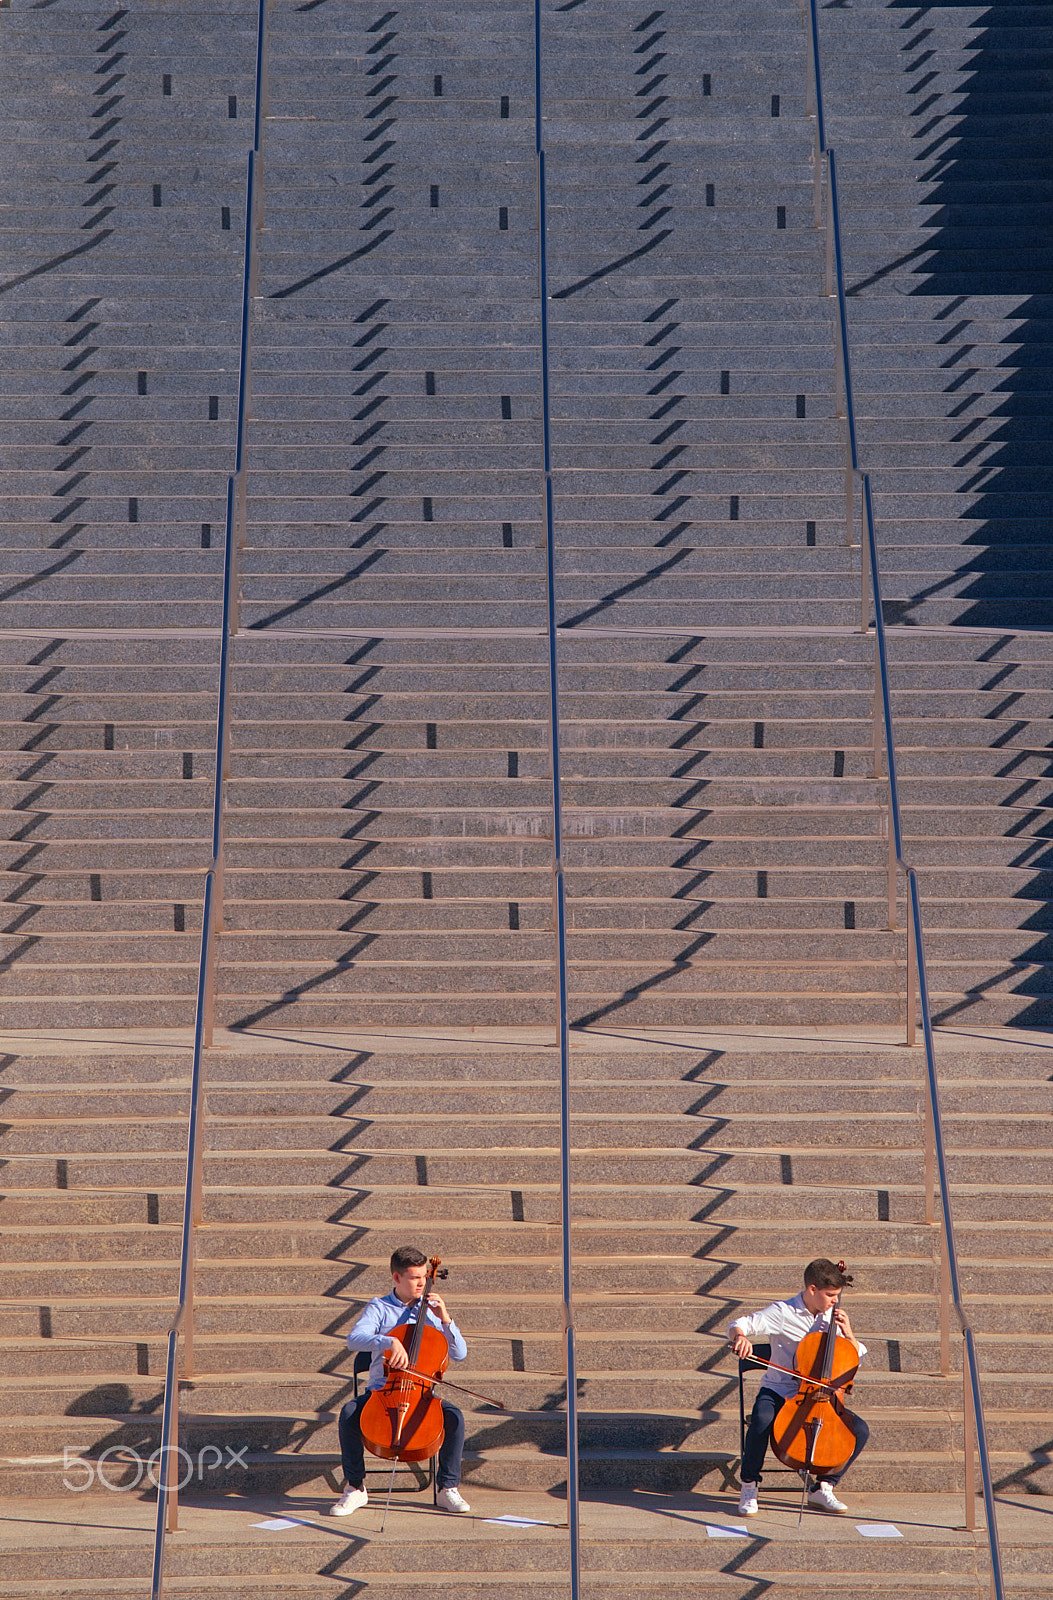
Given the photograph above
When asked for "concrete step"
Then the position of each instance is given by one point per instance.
(71, 951)
(227, 1097)
(507, 1166)
(40, 1207)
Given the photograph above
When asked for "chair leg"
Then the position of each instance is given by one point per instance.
(434, 1482)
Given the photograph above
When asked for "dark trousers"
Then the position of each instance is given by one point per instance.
(352, 1453)
(766, 1408)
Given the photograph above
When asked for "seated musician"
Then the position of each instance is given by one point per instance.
(784, 1324)
(409, 1272)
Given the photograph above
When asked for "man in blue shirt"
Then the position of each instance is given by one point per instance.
(372, 1332)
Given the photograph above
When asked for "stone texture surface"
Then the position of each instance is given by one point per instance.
(389, 858)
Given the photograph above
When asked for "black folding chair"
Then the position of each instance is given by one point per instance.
(757, 1362)
(754, 1363)
(363, 1361)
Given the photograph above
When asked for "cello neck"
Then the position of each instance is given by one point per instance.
(829, 1342)
(418, 1327)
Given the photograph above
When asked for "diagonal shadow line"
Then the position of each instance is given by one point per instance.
(324, 272)
(67, 511)
(883, 272)
(627, 588)
(37, 819)
(289, 997)
(317, 594)
(35, 879)
(22, 948)
(1020, 1480)
(56, 261)
(627, 998)
(39, 577)
(24, 916)
(21, 863)
(42, 761)
(357, 685)
(49, 704)
(974, 995)
(927, 592)
(349, 926)
(612, 266)
(28, 802)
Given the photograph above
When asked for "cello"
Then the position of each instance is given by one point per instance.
(814, 1431)
(403, 1420)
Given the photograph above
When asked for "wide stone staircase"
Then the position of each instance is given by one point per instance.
(386, 971)
(698, 1178)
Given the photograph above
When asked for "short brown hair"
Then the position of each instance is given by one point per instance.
(406, 1256)
(823, 1274)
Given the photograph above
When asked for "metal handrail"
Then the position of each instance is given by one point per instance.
(974, 1428)
(975, 1431)
(558, 884)
(168, 1483)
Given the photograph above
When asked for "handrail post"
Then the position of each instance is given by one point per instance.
(198, 1189)
(968, 1443)
(945, 1313)
(930, 1168)
(912, 1025)
(172, 1496)
(188, 1320)
(209, 1019)
(831, 287)
(865, 587)
(876, 700)
(862, 541)
(890, 878)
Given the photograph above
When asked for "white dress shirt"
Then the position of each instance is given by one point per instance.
(783, 1325)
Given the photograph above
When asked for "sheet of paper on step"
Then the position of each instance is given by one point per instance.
(521, 1522)
(283, 1522)
(878, 1530)
(727, 1530)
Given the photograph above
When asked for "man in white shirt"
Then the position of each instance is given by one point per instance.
(783, 1325)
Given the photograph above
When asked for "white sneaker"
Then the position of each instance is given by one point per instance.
(350, 1500)
(452, 1500)
(824, 1498)
(748, 1500)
